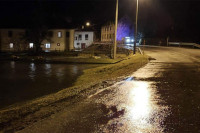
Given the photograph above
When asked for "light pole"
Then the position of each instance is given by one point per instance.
(116, 23)
(136, 23)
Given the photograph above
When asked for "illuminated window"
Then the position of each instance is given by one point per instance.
(58, 44)
(30, 45)
(48, 45)
(11, 45)
(59, 34)
(86, 36)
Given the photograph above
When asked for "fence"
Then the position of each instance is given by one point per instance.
(184, 44)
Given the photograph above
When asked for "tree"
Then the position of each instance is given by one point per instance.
(38, 32)
(124, 28)
(19, 44)
(36, 35)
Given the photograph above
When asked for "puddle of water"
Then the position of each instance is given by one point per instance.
(139, 102)
(26, 81)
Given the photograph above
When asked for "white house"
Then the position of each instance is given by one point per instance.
(83, 39)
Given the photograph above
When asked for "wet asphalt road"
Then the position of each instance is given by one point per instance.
(162, 97)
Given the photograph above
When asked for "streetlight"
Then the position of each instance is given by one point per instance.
(88, 24)
(136, 23)
(116, 23)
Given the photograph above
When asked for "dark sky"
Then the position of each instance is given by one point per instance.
(157, 18)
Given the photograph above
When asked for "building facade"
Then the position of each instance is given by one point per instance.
(108, 33)
(124, 31)
(83, 39)
(11, 40)
(59, 40)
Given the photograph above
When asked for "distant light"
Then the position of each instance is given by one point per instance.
(128, 40)
(88, 24)
(132, 40)
(30, 45)
(11, 45)
(83, 27)
(59, 34)
(48, 45)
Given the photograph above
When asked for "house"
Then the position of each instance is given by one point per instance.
(108, 32)
(124, 31)
(83, 39)
(60, 40)
(11, 40)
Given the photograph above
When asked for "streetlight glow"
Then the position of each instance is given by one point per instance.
(88, 24)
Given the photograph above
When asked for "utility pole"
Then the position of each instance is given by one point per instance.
(168, 41)
(136, 28)
(116, 23)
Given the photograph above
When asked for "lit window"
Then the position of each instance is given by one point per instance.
(30, 45)
(58, 44)
(48, 45)
(86, 36)
(59, 34)
(11, 45)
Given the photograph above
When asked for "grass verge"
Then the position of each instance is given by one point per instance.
(112, 71)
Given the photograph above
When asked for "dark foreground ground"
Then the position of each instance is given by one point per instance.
(163, 96)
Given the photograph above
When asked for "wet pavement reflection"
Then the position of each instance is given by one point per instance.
(166, 99)
(141, 102)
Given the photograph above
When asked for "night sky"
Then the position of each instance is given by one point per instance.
(179, 19)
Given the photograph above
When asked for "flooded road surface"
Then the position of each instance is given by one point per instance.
(162, 97)
(24, 81)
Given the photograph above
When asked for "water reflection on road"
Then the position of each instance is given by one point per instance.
(141, 102)
(143, 112)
